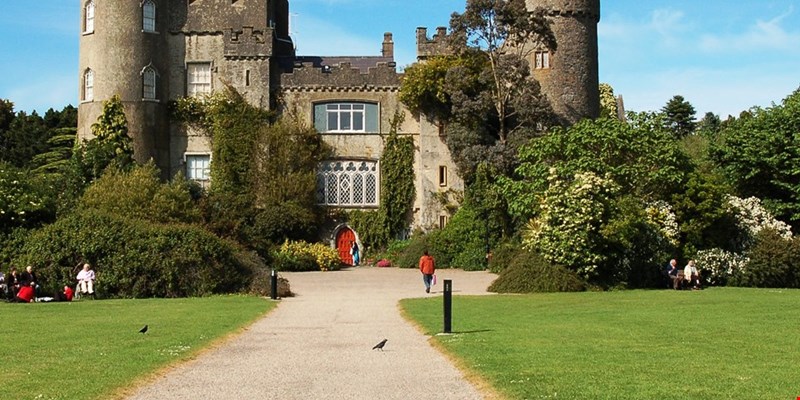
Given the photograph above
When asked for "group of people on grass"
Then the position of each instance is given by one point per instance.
(25, 287)
(682, 278)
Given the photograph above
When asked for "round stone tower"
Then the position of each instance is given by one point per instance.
(120, 54)
(569, 75)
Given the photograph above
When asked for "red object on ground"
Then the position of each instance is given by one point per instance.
(25, 293)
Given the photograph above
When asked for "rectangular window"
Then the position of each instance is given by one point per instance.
(542, 60)
(442, 221)
(149, 16)
(198, 79)
(442, 175)
(346, 117)
(198, 166)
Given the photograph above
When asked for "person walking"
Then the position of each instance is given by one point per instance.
(427, 266)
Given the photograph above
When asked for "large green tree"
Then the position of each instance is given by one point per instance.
(679, 117)
(760, 154)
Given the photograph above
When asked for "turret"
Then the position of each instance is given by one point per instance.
(120, 54)
(569, 75)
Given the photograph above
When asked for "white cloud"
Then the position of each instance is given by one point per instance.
(762, 35)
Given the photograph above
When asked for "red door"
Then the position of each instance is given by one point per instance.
(344, 240)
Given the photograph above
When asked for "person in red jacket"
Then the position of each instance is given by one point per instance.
(25, 294)
(68, 293)
(427, 266)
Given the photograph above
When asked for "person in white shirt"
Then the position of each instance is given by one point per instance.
(86, 280)
(691, 275)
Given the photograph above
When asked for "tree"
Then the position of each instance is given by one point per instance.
(679, 117)
(608, 103)
(423, 88)
(760, 154)
(646, 163)
(710, 125)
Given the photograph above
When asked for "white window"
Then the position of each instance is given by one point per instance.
(346, 117)
(542, 60)
(88, 85)
(198, 166)
(348, 183)
(149, 83)
(198, 79)
(149, 16)
(88, 17)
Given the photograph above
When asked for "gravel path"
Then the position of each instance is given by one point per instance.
(317, 345)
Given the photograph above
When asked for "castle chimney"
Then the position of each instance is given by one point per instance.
(387, 50)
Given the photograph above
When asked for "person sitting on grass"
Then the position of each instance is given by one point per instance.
(29, 278)
(24, 295)
(86, 280)
(66, 295)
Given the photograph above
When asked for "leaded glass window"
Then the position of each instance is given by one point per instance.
(149, 16)
(348, 183)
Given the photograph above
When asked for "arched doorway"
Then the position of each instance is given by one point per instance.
(344, 239)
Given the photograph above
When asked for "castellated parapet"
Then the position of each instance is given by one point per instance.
(435, 46)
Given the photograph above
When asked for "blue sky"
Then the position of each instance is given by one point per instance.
(723, 56)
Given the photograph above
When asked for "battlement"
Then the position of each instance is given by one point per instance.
(579, 9)
(316, 74)
(436, 46)
(247, 43)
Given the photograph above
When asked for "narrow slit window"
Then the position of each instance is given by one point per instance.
(442, 175)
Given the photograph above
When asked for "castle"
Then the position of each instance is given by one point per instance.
(150, 52)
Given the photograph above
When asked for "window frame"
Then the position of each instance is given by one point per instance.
(442, 176)
(149, 72)
(89, 9)
(367, 113)
(187, 157)
(88, 85)
(149, 5)
(190, 84)
(350, 183)
(541, 60)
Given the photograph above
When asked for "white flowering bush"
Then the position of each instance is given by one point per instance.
(568, 229)
(751, 218)
(20, 201)
(660, 214)
(717, 266)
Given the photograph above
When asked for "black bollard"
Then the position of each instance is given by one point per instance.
(448, 305)
(273, 285)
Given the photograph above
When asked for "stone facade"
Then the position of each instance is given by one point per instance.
(194, 45)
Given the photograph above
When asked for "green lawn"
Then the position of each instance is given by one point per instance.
(720, 343)
(91, 349)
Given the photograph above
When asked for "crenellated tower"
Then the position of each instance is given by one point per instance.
(569, 75)
(150, 52)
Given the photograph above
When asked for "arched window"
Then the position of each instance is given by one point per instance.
(348, 183)
(149, 16)
(149, 83)
(88, 17)
(88, 85)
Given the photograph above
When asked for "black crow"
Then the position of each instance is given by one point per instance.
(143, 330)
(380, 345)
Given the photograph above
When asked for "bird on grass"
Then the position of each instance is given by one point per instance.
(143, 330)
(380, 345)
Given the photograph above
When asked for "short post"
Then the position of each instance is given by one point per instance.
(448, 305)
(273, 285)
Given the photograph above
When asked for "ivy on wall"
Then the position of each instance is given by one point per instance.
(377, 228)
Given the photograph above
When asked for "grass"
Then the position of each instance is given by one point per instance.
(720, 343)
(92, 349)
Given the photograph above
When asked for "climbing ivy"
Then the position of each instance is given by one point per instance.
(377, 228)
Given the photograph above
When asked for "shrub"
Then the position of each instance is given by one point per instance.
(140, 194)
(529, 273)
(774, 262)
(503, 255)
(136, 258)
(302, 256)
(409, 256)
(716, 266)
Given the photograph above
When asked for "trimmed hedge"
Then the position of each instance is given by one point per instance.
(137, 259)
(529, 272)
